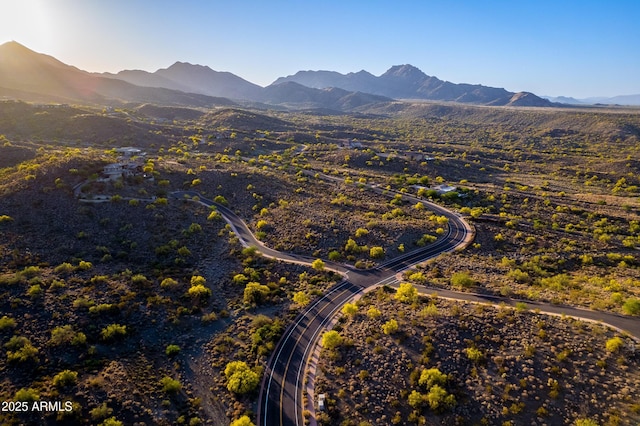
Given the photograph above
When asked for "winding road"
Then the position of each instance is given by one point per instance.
(281, 395)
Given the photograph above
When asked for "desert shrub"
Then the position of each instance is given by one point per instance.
(390, 327)
(439, 399)
(318, 265)
(331, 339)
(172, 350)
(426, 239)
(240, 279)
(240, 378)
(66, 335)
(65, 378)
(20, 349)
(406, 293)
(242, 421)
(350, 309)
(28, 395)
(199, 291)
(221, 200)
(113, 332)
(631, 306)
(111, 421)
(376, 252)
(169, 284)
(432, 376)
(585, 422)
(474, 354)
(255, 293)
(195, 228)
(462, 280)
(301, 298)
(84, 265)
(416, 399)
(64, 268)
(614, 344)
(170, 386)
(373, 312)
(361, 232)
(7, 323)
(430, 310)
(30, 271)
(100, 412)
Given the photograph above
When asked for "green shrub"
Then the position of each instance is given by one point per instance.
(111, 421)
(631, 306)
(65, 334)
(474, 354)
(614, 344)
(20, 349)
(318, 265)
(242, 421)
(406, 293)
(331, 339)
(64, 268)
(240, 378)
(28, 395)
(169, 284)
(462, 280)
(376, 252)
(113, 331)
(390, 327)
(199, 291)
(7, 323)
(432, 376)
(170, 386)
(65, 378)
(100, 412)
(439, 399)
(301, 298)
(255, 293)
(172, 350)
(4, 218)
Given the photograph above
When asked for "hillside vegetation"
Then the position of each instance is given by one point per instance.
(145, 308)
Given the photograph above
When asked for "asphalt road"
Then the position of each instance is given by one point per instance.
(281, 392)
(280, 400)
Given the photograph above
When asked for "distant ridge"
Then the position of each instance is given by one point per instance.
(25, 74)
(29, 75)
(192, 78)
(408, 82)
(626, 100)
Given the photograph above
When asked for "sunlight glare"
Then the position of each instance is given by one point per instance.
(27, 22)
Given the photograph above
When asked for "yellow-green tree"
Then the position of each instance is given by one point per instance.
(331, 340)
(301, 298)
(350, 309)
(318, 265)
(406, 293)
(240, 378)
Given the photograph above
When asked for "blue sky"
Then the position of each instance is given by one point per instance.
(563, 47)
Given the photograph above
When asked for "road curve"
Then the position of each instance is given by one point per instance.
(280, 401)
(281, 391)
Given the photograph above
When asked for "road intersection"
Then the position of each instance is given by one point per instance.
(281, 394)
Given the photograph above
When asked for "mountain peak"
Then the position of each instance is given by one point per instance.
(405, 71)
(13, 45)
(186, 65)
(15, 48)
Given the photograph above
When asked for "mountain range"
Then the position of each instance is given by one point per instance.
(629, 100)
(28, 75)
(408, 82)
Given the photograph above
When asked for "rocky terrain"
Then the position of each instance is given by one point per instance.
(500, 365)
